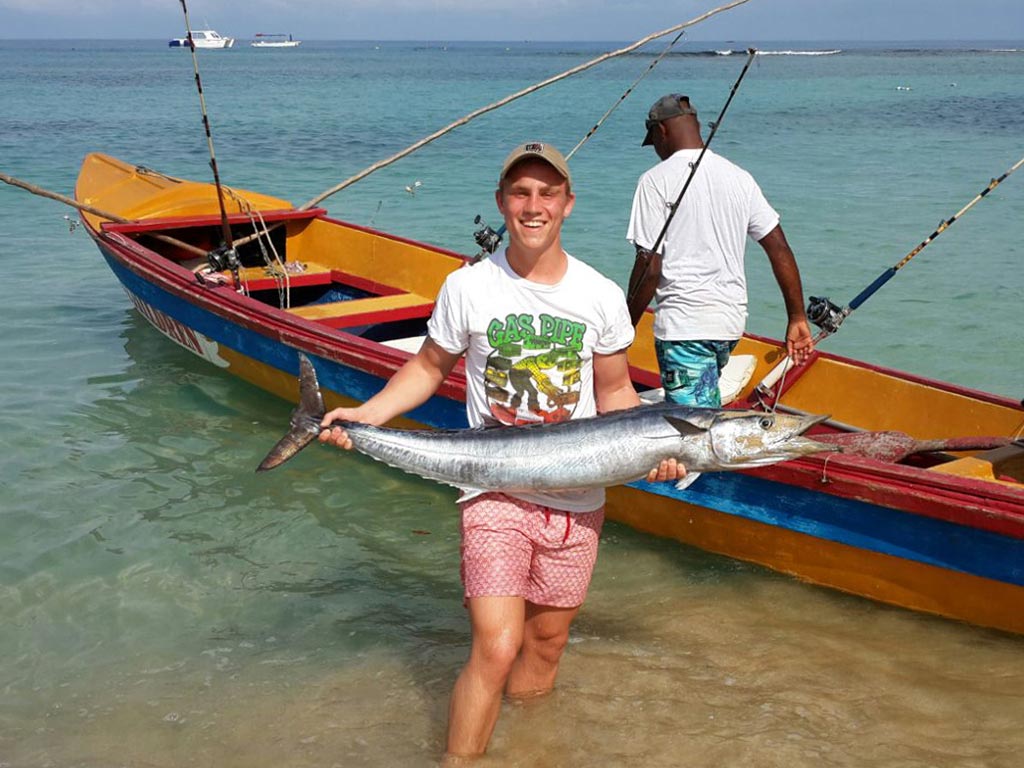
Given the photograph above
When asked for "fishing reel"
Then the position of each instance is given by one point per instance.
(223, 258)
(486, 237)
(824, 314)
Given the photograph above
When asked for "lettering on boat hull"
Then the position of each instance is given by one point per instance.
(179, 333)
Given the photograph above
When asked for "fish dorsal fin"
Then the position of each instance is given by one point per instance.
(684, 427)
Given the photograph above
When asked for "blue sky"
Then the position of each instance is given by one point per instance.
(613, 20)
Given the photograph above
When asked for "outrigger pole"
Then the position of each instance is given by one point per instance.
(15, 182)
(518, 95)
(230, 259)
(829, 317)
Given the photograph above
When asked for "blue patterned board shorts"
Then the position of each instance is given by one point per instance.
(690, 369)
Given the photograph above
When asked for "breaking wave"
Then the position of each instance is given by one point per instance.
(830, 52)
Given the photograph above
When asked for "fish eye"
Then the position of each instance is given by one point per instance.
(767, 422)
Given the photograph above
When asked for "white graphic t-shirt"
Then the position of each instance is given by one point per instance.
(530, 347)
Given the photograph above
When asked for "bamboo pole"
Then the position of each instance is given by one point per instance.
(14, 182)
(518, 95)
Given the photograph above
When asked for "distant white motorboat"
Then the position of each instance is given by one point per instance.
(267, 40)
(203, 38)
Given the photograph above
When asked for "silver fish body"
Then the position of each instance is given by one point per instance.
(596, 452)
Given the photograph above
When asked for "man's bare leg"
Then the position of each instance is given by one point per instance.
(497, 628)
(545, 635)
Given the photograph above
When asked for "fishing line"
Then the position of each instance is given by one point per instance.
(518, 95)
(829, 317)
(489, 239)
(625, 95)
(230, 257)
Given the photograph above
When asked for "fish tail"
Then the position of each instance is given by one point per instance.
(305, 422)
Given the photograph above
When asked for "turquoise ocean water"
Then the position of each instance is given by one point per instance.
(162, 606)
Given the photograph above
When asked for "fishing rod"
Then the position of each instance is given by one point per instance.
(643, 280)
(489, 239)
(829, 317)
(226, 257)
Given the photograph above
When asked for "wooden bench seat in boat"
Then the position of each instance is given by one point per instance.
(260, 278)
(1005, 464)
(372, 309)
(410, 344)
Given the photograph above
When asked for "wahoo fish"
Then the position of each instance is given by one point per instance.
(596, 452)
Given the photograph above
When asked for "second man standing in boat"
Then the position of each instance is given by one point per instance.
(545, 339)
(698, 273)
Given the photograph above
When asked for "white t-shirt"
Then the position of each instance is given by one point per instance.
(530, 347)
(703, 289)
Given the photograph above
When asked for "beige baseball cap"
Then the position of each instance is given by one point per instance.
(539, 150)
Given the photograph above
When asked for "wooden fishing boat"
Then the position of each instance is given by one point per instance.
(938, 531)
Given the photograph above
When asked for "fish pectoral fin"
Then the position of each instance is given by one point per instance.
(468, 493)
(684, 427)
(683, 483)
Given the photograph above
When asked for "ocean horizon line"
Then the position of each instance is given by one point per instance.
(555, 41)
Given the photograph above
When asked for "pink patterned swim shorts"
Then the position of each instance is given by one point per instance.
(515, 548)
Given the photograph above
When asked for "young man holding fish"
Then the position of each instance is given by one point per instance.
(545, 339)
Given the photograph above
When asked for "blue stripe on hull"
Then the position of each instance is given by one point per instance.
(856, 524)
(846, 521)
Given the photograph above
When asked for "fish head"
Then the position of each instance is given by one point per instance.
(742, 439)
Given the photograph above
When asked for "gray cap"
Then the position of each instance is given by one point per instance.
(672, 105)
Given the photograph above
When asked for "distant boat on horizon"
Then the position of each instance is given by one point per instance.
(274, 40)
(203, 38)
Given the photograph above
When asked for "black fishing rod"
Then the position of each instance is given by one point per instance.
(225, 258)
(643, 280)
(829, 317)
